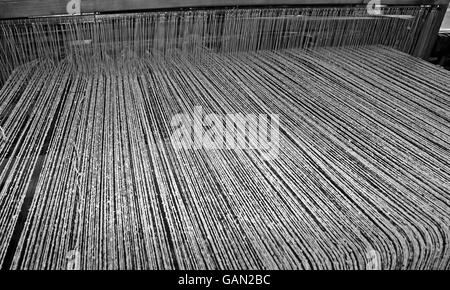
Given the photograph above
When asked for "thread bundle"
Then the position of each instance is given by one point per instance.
(87, 40)
(362, 170)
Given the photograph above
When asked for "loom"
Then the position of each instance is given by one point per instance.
(90, 177)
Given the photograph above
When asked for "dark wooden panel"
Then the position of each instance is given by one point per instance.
(428, 38)
(30, 8)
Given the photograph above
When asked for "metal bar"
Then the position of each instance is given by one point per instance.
(33, 8)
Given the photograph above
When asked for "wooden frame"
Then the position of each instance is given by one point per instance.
(34, 8)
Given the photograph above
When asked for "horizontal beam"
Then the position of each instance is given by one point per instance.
(33, 8)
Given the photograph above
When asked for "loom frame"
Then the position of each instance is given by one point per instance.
(10, 9)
